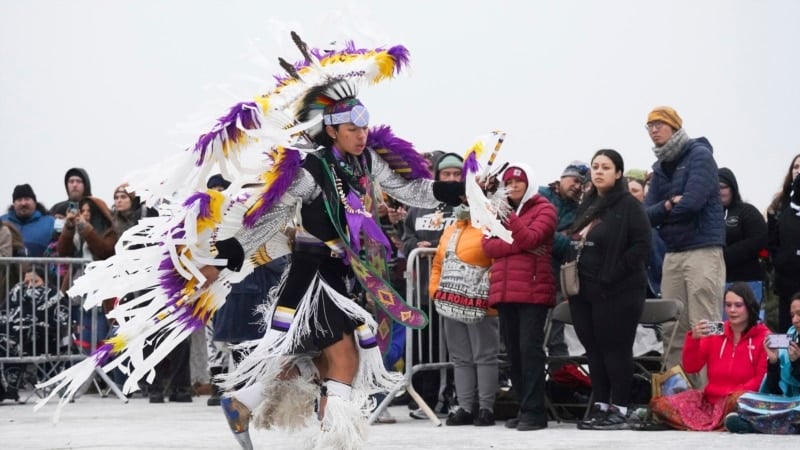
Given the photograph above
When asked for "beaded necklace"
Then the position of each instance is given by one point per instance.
(354, 172)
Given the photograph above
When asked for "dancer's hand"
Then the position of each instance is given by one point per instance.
(211, 273)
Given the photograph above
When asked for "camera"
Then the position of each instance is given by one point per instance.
(73, 206)
(716, 328)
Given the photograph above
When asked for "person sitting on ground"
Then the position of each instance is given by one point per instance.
(776, 408)
(736, 361)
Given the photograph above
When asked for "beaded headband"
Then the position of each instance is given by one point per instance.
(346, 111)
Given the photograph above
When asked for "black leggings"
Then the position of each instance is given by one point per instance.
(605, 323)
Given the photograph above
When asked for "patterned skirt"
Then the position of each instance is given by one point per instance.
(690, 410)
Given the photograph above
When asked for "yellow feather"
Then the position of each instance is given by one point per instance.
(215, 206)
(263, 103)
(477, 147)
(385, 64)
(118, 343)
(203, 305)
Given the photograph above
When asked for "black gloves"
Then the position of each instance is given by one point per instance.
(231, 250)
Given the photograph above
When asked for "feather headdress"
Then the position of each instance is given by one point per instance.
(275, 118)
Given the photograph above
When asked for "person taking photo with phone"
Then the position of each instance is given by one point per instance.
(776, 408)
(736, 361)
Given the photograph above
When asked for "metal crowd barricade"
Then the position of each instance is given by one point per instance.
(415, 339)
(40, 326)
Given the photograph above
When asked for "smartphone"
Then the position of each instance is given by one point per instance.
(73, 206)
(716, 328)
(779, 341)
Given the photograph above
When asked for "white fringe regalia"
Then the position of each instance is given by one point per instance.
(157, 263)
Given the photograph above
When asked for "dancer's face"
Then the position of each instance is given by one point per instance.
(349, 138)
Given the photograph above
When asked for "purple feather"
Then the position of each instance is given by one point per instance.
(400, 56)
(381, 138)
(204, 205)
(171, 282)
(102, 354)
(471, 164)
(286, 169)
(191, 322)
(227, 128)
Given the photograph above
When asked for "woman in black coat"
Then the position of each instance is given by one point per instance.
(613, 286)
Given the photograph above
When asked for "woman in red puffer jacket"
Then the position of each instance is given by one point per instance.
(522, 288)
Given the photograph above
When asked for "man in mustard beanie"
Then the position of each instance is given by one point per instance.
(667, 115)
(683, 203)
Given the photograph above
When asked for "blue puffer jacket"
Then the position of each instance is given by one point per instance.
(36, 230)
(697, 221)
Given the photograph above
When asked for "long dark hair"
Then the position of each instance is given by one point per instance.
(743, 289)
(592, 204)
(781, 199)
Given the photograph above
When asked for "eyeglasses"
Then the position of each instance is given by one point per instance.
(655, 125)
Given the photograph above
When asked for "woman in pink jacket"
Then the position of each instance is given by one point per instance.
(522, 288)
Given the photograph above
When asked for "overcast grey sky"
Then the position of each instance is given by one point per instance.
(113, 86)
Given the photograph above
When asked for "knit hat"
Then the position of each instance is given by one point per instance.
(450, 161)
(23, 191)
(636, 174)
(667, 115)
(124, 189)
(515, 172)
(217, 181)
(577, 169)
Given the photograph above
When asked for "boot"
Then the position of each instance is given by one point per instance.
(238, 420)
(343, 424)
(181, 395)
(216, 392)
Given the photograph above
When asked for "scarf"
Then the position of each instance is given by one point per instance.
(672, 149)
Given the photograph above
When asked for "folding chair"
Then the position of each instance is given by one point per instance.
(561, 313)
(656, 312)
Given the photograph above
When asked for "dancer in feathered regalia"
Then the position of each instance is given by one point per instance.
(320, 348)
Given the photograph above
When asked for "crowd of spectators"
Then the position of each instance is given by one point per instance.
(680, 230)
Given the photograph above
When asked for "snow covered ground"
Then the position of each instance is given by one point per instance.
(93, 422)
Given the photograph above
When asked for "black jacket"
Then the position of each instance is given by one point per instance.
(745, 235)
(618, 244)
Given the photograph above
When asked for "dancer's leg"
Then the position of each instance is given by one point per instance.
(341, 359)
